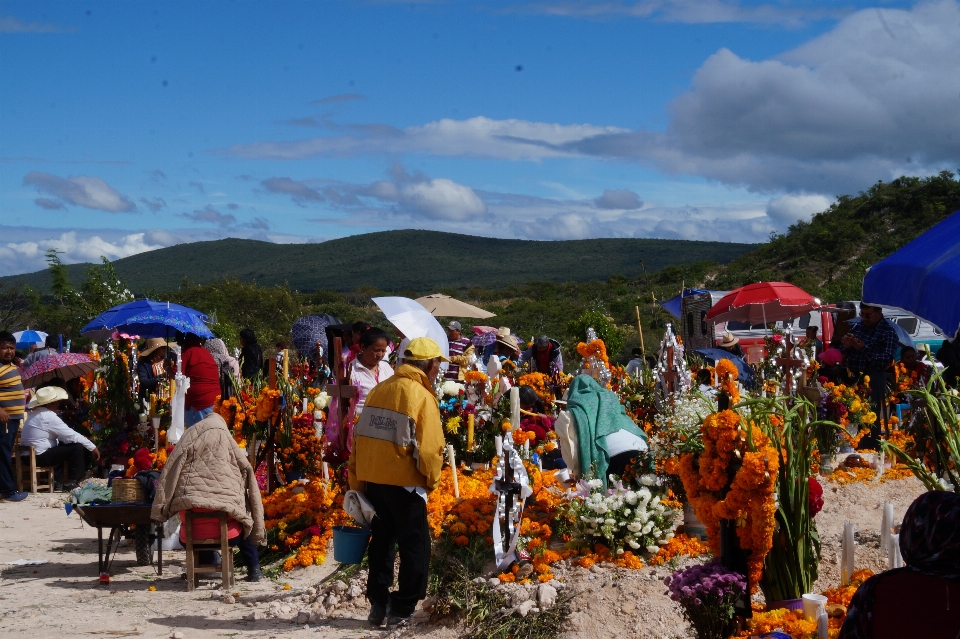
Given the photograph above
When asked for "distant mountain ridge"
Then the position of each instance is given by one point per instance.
(400, 261)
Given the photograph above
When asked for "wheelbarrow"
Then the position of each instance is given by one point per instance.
(130, 521)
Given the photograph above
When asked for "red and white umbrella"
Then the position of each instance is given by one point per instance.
(763, 302)
(65, 366)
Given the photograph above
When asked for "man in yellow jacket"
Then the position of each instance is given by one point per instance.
(396, 460)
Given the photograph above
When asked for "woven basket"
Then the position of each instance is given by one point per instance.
(127, 490)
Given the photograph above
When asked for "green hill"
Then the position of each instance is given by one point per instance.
(829, 255)
(399, 261)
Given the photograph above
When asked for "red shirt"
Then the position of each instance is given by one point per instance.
(201, 368)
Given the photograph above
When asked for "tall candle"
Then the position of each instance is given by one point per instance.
(471, 418)
(326, 472)
(515, 406)
(453, 469)
(823, 626)
(286, 363)
(848, 549)
(498, 442)
(306, 400)
(886, 523)
(526, 448)
(153, 404)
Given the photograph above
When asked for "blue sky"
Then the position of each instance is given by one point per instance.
(127, 127)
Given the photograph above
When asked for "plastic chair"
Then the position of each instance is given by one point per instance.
(195, 546)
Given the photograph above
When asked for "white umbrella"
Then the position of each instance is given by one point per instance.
(413, 320)
(445, 306)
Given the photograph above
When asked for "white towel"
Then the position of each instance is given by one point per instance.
(359, 507)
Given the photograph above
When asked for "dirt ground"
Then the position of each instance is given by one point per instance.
(63, 598)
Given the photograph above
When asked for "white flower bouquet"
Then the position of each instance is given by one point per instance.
(623, 518)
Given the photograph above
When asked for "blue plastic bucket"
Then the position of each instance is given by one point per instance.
(350, 544)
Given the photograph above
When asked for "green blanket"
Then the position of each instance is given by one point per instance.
(598, 413)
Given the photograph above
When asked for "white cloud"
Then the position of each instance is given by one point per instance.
(79, 190)
(788, 209)
(442, 198)
(478, 137)
(19, 257)
(685, 11)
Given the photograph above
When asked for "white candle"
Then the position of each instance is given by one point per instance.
(306, 400)
(453, 468)
(515, 406)
(896, 559)
(848, 552)
(526, 448)
(823, 626)
(326, 472)
(886, 522)
(498, 442)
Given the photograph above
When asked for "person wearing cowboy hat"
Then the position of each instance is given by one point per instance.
(731, 344)
(151, 367)
(507, 348)
(53, 440)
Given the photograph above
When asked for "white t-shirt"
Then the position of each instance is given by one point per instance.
(44, 429)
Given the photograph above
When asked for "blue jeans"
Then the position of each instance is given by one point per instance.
(8, 434)
(191, 417)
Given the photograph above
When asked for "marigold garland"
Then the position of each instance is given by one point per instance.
(540, 383)
(596, 348)
(680, 545)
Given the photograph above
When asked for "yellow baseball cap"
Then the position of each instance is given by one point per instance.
(423, 348)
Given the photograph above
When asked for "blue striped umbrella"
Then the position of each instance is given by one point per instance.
(28, 338)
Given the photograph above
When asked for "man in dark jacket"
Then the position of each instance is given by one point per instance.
(544, 356)
(949, 355)
(251, 355)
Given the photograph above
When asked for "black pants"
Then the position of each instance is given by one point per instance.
(400, 524)
(73, 454)
(8, 434)
(248, 552)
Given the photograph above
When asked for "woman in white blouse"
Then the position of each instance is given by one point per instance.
(53, 440)
(369, 368)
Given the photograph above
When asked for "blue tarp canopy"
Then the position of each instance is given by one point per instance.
(923, 277)
(673, 305)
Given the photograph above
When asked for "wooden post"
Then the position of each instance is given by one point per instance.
(271, 430)
(640, 331)
(343, 390)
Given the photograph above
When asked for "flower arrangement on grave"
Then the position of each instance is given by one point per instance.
(303, 456)
(707, 594)
(114, 408)
(734, 479)
(849, 406)
(621, 518)
(677, 431)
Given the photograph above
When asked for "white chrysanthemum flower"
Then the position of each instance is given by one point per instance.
(610, 521)
(648, 480)
(633, 544)
(634, 526)
(652, 550)
(595, 483)
(631, 497)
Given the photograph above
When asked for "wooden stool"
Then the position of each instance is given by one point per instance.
(32, 471)
(194, 546)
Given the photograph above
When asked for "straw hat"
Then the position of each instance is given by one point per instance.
(729, 340)
(509, 341)
(152, 344)
(47, 395)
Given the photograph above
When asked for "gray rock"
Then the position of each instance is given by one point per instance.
(318, 616)
(256, 615)
(493, 582)
(228, 599)
(303, 617)
(525, 571)
(527, 606)
(354, 592)
(546, 595)
(339, 586)
(331, 601)
(310, 592)
(519, 596)
(285, 609)
(176, 635)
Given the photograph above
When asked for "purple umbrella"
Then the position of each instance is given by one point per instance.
(65, 366)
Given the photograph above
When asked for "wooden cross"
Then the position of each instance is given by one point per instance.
(343, 390)
(789, 364)
(267, 451)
